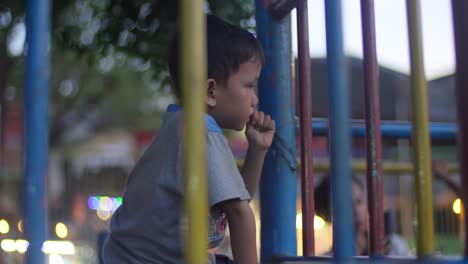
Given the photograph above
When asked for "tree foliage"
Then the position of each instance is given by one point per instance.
(138, 28)
(108, 58)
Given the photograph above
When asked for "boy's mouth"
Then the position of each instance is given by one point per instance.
(251, 116)
(252, 111)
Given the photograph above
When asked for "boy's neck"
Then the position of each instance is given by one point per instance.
(211, 123)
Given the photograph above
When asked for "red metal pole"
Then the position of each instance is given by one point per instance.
(460, 24)
(305, 102)
(373, 135)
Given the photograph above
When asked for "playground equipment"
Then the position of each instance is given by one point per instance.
(278, 185)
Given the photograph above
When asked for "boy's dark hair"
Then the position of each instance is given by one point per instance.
(228, 46)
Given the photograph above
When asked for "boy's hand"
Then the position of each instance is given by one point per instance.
(260, 130)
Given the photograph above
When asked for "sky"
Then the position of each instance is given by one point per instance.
(391, 34)
(391, 31)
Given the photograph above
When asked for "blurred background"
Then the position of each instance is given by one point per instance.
(109, 87)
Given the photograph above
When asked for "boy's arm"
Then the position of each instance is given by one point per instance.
(242, 230)
(260, 131)
(252, 169)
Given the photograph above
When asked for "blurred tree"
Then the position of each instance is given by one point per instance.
(12, 43)
(118, 92)
(141, 28)
(108, 58)
(134, 35)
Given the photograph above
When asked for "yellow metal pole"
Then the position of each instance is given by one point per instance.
(193, 81)
(420, 140)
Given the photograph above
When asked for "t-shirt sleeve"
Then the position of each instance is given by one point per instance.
(223, 177)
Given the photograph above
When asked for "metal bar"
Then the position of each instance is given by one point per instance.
(389, 167)
(363, 259)
(35, 103)
(358, 165)
(390, 129)
(340, 136)
(373, 133)
(278, 183)
(193, 73)
(421, 142)
(460, 24)
(305, 117)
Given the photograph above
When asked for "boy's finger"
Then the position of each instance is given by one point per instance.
(272, 125)
(266, 121)
(261, 118)
(254, 118)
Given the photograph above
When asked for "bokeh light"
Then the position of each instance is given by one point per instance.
(61, 230)
(104, 203)
(103, 214)
(4, 226)
(456, 206)
(20, 225)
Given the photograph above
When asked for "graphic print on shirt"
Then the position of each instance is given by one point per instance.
(216, 229)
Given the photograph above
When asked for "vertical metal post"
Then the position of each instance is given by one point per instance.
(420, 141)
(278, 184)
(193, 81)
(373, 134)
(35, 102)
(305, 116)
(340, 134)
(460, 24)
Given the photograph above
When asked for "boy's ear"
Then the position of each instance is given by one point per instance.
(211, 92)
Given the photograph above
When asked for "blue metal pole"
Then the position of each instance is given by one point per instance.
(278, 184)
(460, 24)
(340, 136)
(36, 129)
(390, 129)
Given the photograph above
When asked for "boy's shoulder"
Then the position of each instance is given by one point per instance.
(174, 114)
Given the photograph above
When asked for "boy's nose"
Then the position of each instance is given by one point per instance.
(254, 100)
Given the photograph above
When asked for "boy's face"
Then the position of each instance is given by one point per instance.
(231, 104)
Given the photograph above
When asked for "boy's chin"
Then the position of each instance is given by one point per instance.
(238, 127)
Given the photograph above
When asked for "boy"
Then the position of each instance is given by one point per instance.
(147, 227)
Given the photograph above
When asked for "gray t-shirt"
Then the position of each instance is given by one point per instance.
(148, 226)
